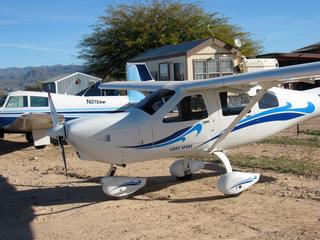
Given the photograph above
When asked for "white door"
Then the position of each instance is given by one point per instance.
(231, 104)
(184, 128)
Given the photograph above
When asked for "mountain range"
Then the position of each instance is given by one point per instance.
(18, 78)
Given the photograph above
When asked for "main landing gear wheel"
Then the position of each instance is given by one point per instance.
(234, 183)
(184, 168)
(29, 137)
(40, 147)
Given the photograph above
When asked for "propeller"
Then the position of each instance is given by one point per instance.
(58, 132)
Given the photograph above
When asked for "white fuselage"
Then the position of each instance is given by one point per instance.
(19, 102)
(138, 135)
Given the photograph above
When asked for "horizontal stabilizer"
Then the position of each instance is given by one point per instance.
(32, 121)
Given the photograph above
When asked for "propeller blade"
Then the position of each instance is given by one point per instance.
(54, 115)
(57, 129)
(61, 148)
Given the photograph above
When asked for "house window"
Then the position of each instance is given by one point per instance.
(210, 68)
(226, 66)
(17, 102)
(178, 70)
(213, 68)
(164, 72)
(200, 69)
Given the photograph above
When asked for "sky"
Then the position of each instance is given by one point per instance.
(46, 32)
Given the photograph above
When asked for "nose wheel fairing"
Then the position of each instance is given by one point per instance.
(121, 187)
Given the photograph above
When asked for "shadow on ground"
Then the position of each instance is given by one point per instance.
(16, 206)
(12, 146)
(16, 214)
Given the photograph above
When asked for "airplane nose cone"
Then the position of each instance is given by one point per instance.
(57, 131)
(97, 136)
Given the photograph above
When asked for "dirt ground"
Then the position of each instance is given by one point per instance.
(38, 202)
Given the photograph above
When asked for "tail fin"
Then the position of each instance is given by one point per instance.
(137, 72)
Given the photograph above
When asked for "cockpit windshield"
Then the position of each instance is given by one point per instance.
(154, 101)
(2, 100)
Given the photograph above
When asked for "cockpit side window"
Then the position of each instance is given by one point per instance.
(38, 101)
(269, 100)
(188, 109)
(2, 100)
(154, 101)
(233, 103)
(17, 102)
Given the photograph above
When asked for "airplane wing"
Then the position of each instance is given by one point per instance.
(241, 81)
(149, 86)
(265, 79)
(28, 122)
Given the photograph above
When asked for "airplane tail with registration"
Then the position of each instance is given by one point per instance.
(137, 72)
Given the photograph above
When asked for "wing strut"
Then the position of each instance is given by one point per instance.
(260, 94)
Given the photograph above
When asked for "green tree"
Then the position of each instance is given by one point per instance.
(129, 29)
(34, 87)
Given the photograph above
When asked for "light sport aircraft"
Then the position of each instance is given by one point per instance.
(190, 118)
(28, 112)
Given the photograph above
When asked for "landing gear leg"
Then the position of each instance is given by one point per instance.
(234, 183)
(112, 170)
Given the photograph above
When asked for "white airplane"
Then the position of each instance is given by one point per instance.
(190, 118)
(28, 112)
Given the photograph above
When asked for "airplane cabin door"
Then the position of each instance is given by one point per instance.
(231, 104)
(184, 128)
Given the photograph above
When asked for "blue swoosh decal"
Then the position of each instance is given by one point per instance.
(276, 114)
(179, 136)
(287, 108)
(130, 183)
(251, 179)
(196, 128)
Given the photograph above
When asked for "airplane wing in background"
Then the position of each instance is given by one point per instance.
(239, 81)
(28, 122)
(149, 86)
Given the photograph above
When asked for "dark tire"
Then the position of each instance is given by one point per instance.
(233, 195)
(54, 142)
(185, 177)
(29, 137)
(40, 147)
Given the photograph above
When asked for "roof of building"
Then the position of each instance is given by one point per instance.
(313, 48)
(181, 49)
(286, 59)
(290, 55)
(64, 76)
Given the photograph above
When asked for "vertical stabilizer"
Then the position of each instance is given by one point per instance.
(137, 72)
